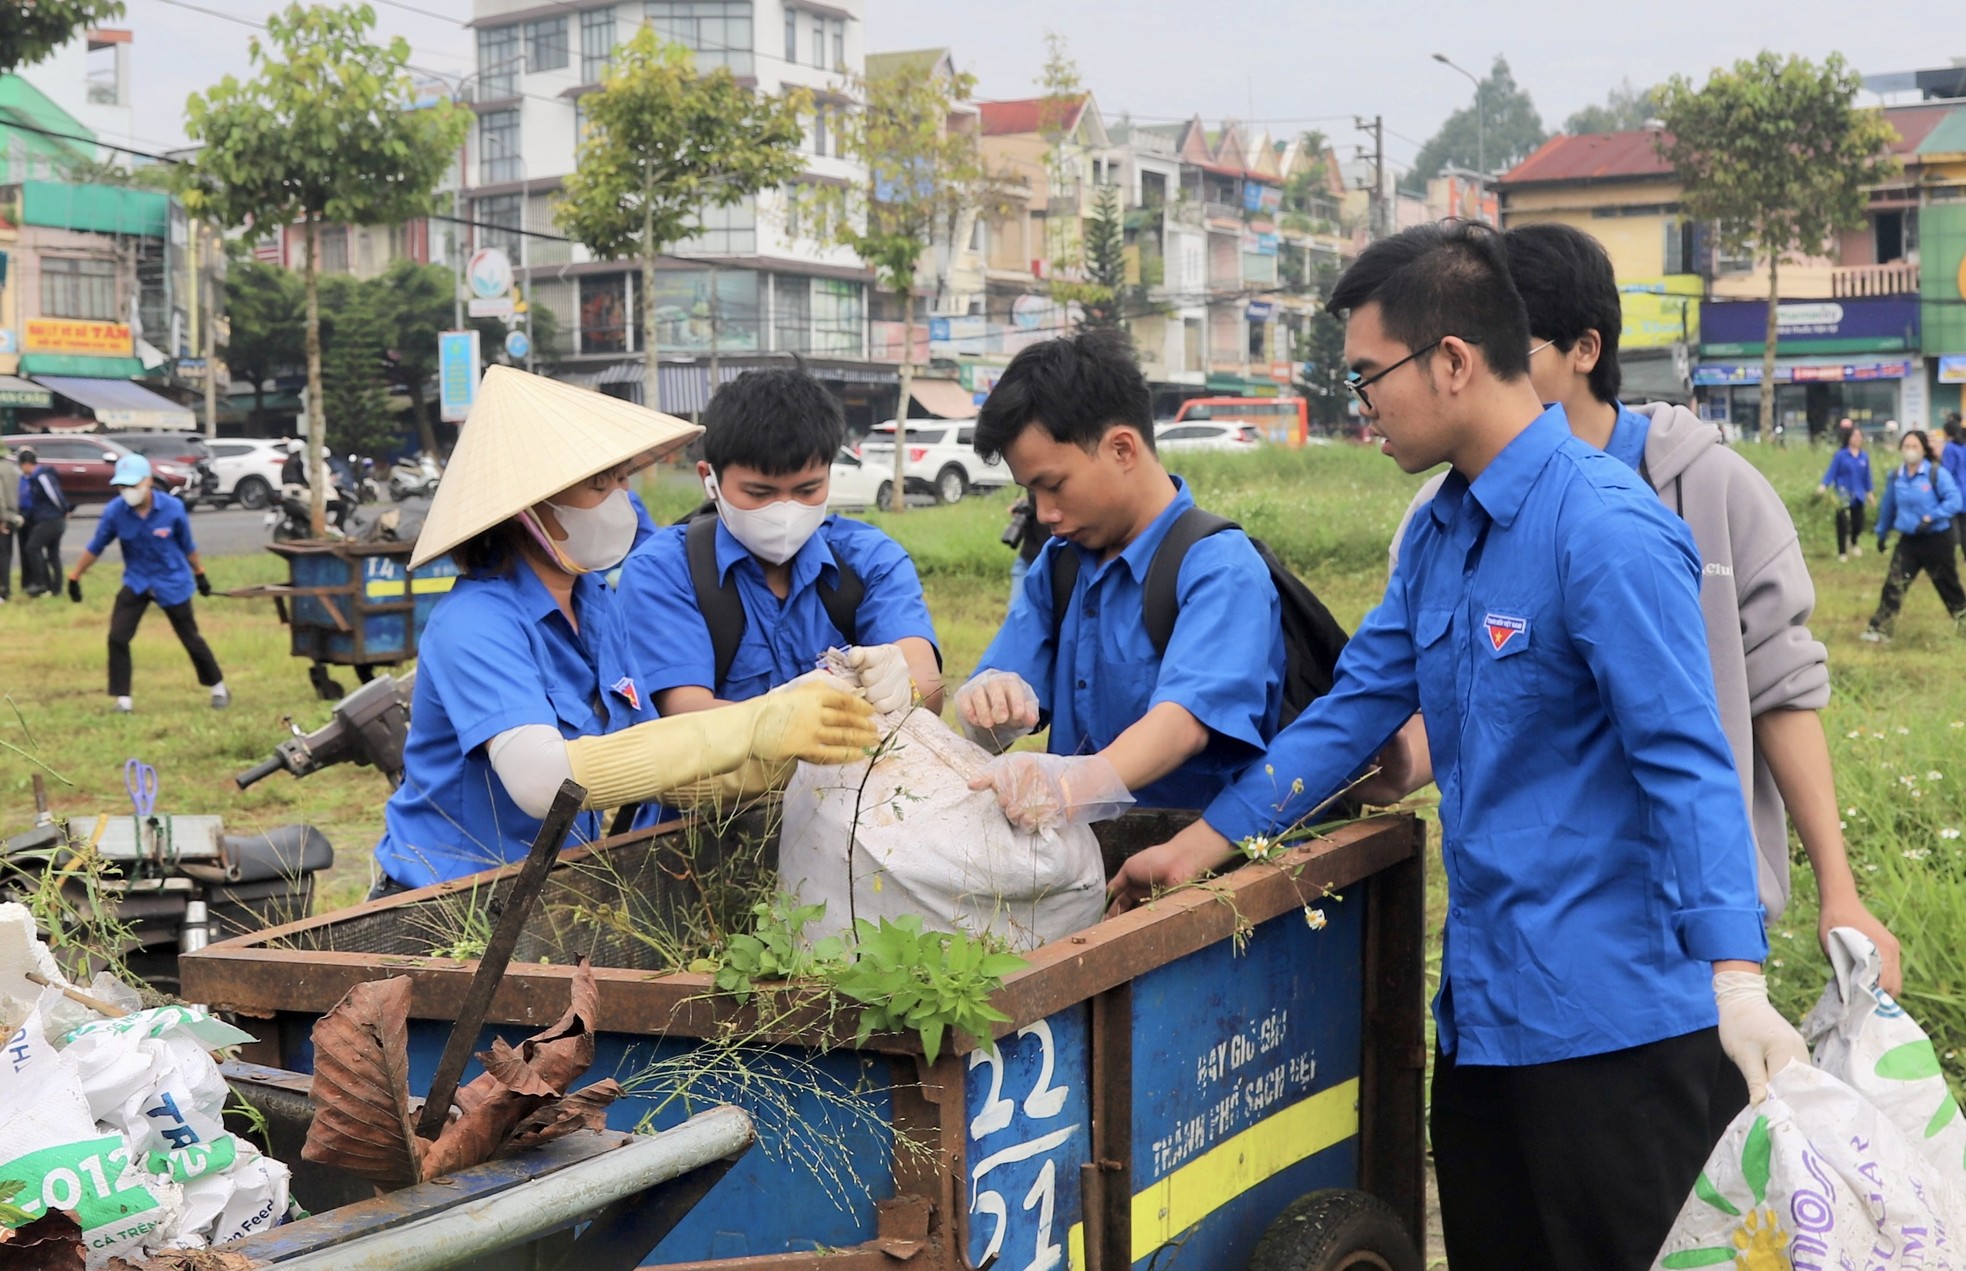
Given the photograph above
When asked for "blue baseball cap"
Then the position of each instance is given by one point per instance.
(130, 470)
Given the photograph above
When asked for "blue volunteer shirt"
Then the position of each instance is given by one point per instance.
(155, 546)
(1912, 496)
(1224, 662)
(41, 497)
(1849, 474)
(1627, 444)
(1954, 462)
(1597, 847)
(668, 640)
(498, 653)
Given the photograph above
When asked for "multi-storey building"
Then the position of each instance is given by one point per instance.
(748, 287)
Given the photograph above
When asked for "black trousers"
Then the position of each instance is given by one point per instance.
(1849, 525)
(123, 620)
(40, 560)
(7, 541)
(1933, 553)
(1580, 1163)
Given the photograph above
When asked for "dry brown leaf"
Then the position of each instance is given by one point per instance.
(361, 1092)
(519, 1083)
(52, 1242)
(584, 1109)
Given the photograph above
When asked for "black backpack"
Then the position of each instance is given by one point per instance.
(1312, 638)
(723, 608)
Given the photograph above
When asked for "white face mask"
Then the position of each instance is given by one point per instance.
(773, 533)
(1913, 457)
(597, 537)
(134, 495)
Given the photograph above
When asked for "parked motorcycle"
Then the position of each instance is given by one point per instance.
(157, 884)
(418, 476)
(366, 488)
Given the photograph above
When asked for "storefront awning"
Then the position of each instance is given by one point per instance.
(944, 398)
(15, 391)
(120, 403)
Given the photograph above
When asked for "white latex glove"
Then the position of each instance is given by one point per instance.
(996, 708)
(1043, 792)
(1752, 1032)
(882, 673)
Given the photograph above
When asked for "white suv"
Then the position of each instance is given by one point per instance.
(248, 470)
(941, 460)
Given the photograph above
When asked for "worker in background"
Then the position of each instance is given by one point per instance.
(1601, 963)
(727, 607)
(44, 512)
(10, 520)
(160, 563)
(520, 683)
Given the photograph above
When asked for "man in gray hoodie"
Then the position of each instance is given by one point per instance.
(10, 520)
(1771, 674)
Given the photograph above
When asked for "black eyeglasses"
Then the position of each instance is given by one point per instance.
(1359, 383)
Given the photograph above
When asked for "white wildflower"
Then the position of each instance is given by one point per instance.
(1948, 833)
(1935, 775)
(1314, 918)
(1915, 853)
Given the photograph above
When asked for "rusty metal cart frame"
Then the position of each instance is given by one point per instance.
(1368, 875)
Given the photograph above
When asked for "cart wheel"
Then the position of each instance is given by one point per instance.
(364, 672)
(325, 686)
(1336, 1230)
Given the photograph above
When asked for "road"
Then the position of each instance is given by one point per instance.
(219, 531)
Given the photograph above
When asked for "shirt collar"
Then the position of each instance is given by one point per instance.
(807, 564)
(1505, 482)
(1139, 554)
(538, 604)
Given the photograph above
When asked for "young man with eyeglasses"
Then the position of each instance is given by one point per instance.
(1770, 673)
(1600, 966)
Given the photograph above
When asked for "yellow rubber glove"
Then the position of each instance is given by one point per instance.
(817, 723)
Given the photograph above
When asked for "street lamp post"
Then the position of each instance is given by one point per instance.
(1481, 122)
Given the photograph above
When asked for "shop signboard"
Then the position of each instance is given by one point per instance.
(78, 339)
(1952, 368)
(457, 374)
(1872, 324)
(1714, 373)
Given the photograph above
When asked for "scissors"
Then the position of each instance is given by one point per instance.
(140, 779)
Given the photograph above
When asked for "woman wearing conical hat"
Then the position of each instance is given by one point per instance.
(520, 684)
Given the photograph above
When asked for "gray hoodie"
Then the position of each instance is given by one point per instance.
(1756, 596)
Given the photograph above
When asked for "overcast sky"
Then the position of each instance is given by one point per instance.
(1287, 63)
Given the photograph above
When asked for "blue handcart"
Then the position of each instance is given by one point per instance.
(1228, 1077)
(353, 604)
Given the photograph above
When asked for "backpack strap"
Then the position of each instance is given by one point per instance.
(842, 600)
(1160, 598)
(716, 599)
(723, 609)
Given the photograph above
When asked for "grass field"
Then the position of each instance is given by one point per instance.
(1897, 721)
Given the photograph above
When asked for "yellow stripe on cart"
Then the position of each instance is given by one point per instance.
(392, 588)
(1190, 1194)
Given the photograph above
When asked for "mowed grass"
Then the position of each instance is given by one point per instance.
(1897, 720)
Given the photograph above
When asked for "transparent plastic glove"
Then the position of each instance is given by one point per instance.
(996, 708)
(1043, 792)
(1752, 1032)
(882, 673)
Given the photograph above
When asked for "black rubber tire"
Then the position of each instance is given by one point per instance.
(884, 497)
(951, 484)
(1336, 1230)
(252, 493)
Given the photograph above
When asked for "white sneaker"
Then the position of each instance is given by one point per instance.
(1856, 550)
(123, 706)
(1843, 556)
(221, 697)
(1874, 637)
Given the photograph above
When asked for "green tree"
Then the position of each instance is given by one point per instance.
(31, 30)
(1502, 135)
(328, 129)
(922, 179)
(663, 145)
(1058, 107)
(1102, 296)
(1307, 201)
(1625, 108)
(1776, 155)
(355, 368)
(266, 306)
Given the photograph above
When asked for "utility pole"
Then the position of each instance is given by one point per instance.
(208, 292)
(1377, 127)
(715, 318)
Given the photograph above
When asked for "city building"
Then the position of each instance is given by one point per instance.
(745, 291)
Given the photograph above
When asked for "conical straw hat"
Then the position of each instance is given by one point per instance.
(527, 439)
